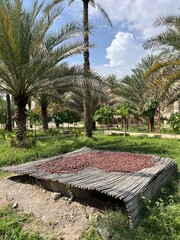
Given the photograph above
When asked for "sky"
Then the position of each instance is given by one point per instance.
(119, 48)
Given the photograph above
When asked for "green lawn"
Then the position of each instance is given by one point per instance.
(160, 218)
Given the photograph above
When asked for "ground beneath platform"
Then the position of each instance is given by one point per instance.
(61, 219)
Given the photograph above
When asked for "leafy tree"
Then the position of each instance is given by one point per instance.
(58, 118)
(124, 111)
(29, 50)
(104, 115)
(66, 116)
(71, 117)
(174, 122)
(149, 111)
(33, 117)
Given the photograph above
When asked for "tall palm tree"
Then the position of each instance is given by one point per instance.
(87, 90)
(29, 50)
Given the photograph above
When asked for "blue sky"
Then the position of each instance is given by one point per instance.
(120, 48)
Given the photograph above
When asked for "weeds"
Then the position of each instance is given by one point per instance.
(11, 224)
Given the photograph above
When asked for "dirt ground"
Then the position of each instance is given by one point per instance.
(61, 219)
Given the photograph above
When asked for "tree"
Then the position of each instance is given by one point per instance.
(136, 90)
(124, 110)
(66, 116)
(174, 122)
(104, 115)
(44, 100)
(168, 68)
(71, 117)
(149, 111)
(170, 37)
(87, 89)
(58, 118)
(29, 50)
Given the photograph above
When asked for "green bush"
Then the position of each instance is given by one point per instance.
(174, 122)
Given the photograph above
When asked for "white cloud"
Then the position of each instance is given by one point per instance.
(139, 15)
(124, 50)
(123, 53)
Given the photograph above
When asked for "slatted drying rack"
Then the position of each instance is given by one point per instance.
(127, 187)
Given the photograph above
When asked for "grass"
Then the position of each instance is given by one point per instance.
(160, 217)
(52, 146)
(11, 225)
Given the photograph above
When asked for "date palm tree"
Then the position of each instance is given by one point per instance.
(170, 37)
(87, 90)
(168, 69)
(29, 50)
(135, 90)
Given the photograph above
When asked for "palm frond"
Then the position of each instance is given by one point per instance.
(103, 12)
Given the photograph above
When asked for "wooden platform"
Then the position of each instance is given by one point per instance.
(126, 187)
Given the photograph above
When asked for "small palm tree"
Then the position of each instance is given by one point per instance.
(29, 50)
(135, 89)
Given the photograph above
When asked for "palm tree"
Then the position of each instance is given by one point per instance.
(168, 68)
(135, 90)
(87, 90)
(98, 98)
(29, 51)
(170, 37)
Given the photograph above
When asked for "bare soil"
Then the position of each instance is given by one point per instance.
(59, 219)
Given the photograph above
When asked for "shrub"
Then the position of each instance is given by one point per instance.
(174, 122)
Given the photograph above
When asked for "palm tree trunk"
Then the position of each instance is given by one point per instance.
(29, 106)
(159, 119)
(21, 102)
(44, 118)
(8, 113)
(150, 124)
(87, 92)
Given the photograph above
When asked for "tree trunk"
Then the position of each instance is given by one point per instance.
(8, 113)
(21, 102)
(44, 118)
(151, 124)
(159, 119)
(87, 92)
(94, 125)
(29, 106)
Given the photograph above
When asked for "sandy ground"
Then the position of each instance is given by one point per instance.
(59, 219)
